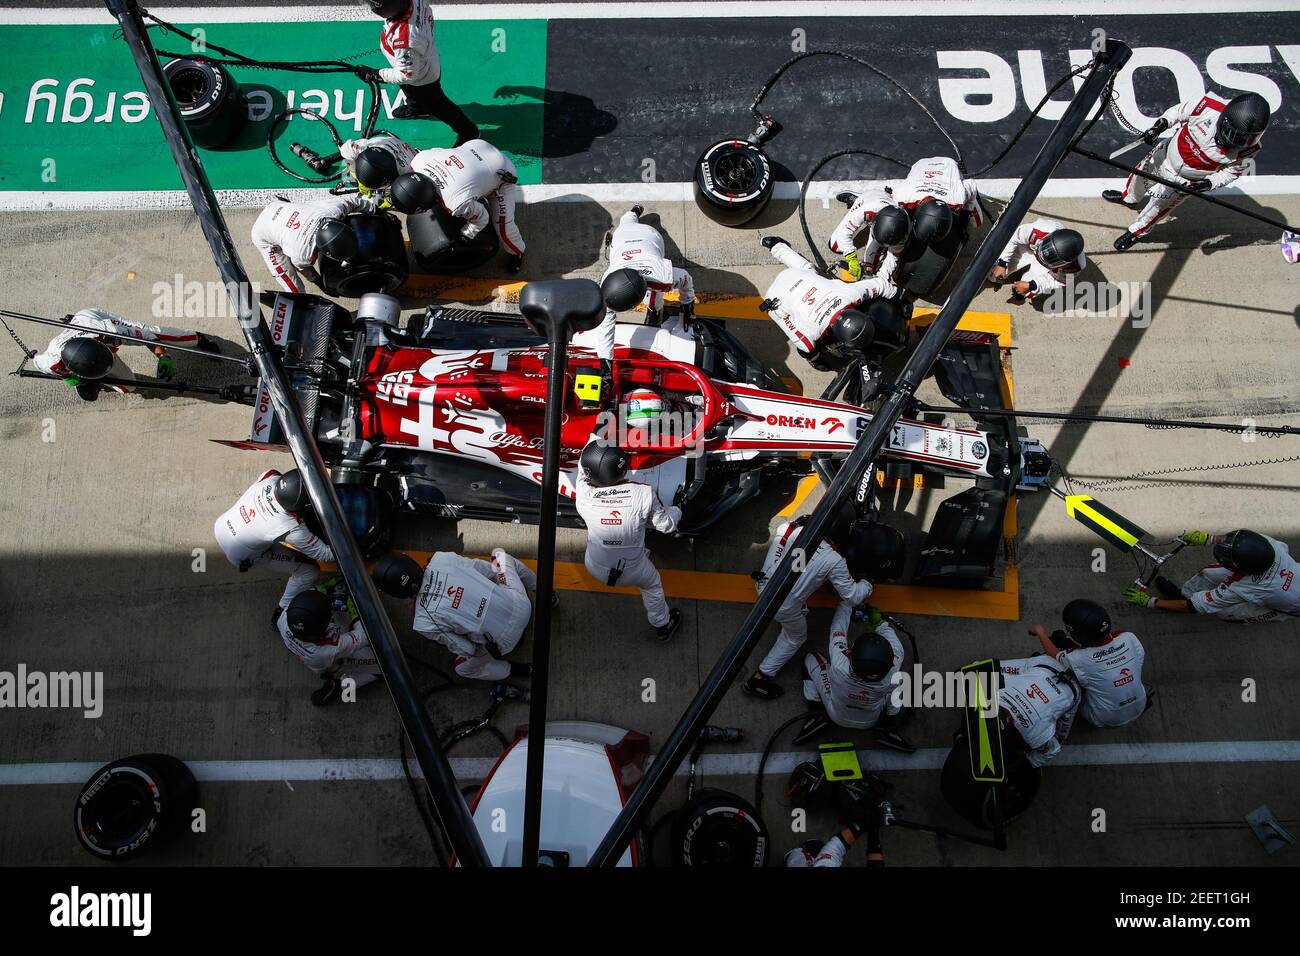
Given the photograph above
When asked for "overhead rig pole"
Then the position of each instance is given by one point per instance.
(734, 656)
(438, 776)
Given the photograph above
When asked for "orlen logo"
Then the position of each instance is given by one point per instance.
(791, 421)
(810, 296)
(615, 517)
(247, 513)
(277, 328)
(1126, 677)
(455, 594)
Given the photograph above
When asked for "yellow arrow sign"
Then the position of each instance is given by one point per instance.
(1109, 525)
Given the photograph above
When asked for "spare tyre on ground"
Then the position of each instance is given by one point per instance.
(719, 829)
(133, 804)
(211, 105)
(733, 182)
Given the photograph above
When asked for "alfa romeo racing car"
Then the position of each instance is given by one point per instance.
(443, 413)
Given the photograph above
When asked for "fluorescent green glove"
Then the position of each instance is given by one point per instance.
(874, 616)
(72, 381)
(1137, 597)
(853, 266)
(166, 368)
(1196, 538)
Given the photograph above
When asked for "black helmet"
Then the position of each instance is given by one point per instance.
(891, 226)
(874, 551)
(1242, 121)
(387, 8)
(86, 357)
(1059, 248)
(1086, 622)
(603, 464)
(1245, 552)
(872, 657)
(854, 329)
(623, 289)
(290, 492)
(335, 238)
(931, 221)
(308, 616)
(888, 321)
(375, 167)
(413, 192)
(397, 574)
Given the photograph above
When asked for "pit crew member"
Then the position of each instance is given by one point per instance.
(290, 236)
(1204, 144)
(617, 512)
(477, 609)
(807, 306)
(1047, 252)
(1252, 583)
(80, 357)
(376, 161)
(408, 43)
(887, 227)
(1106, 662)
(1038, 699)
(263, 529)
(332, 648)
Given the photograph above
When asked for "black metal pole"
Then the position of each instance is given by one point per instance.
(438, 776)
(733, 658)
(65, 326)
(557, 363)
(180, 388)
(1112, 419)
(1179, 187)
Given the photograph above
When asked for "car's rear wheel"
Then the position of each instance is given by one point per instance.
(437, 247)
(210, 103)
(733, 182)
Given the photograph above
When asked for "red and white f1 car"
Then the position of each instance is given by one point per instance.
(446, 413)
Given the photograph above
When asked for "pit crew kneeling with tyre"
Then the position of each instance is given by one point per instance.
(807, 306)
(334, 649)
(476, 609)
(291, 237)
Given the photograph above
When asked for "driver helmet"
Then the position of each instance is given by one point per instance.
(643, 406)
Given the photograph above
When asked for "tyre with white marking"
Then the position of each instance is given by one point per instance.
(733, 182)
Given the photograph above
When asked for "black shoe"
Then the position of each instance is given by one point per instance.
(1151, 699)
(666, 632)
(772, 241)
(894, 742)
(520, 670)
(767, 305)
(1167, 588)
(1113, 195)
(762, 686)
(1125, 241)
(514, 263)
(208, 345)
(637, 210)
(275, 619)
(811, 727)
(327, 692)
(847, 198)
(406, 112)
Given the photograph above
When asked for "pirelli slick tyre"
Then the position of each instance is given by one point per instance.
(133, 804)
(380, 263)
(211, 105)
(973, 799)
(733, 182)
(438, 249)
(719, 829)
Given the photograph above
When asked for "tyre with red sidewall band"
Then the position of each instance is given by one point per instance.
(131, 805)
(733, 182)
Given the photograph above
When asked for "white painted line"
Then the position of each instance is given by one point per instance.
(721, 764)
(748, 9)
(90, 201)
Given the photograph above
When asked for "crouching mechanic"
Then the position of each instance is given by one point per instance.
(332, 648)
(831, 853)
(1047, 252)
(1252, 583)
(854, 685)
(1106, 662)
(291, 236)
(476, 609)
(617, 512)
(1038, 698)
(469, 181)
(807, 306)
(1202, 144)
(377, 161)
(638, 247)
(933, 185)
(263, 530)
(81, 357)
(827, 563)
(887, 228)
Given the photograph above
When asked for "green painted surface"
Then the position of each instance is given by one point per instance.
(97, 133)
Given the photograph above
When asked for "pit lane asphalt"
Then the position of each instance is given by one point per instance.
(99, 527)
